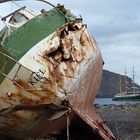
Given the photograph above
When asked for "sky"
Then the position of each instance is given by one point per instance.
(115, 24)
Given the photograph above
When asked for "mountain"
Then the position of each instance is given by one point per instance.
(110, 84)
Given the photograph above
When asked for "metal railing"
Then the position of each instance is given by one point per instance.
(18, 68)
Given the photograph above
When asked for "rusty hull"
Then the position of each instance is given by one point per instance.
(61, 79)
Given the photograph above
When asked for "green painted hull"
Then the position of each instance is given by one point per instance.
(30, 34)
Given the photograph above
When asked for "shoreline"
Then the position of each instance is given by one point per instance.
(123, 119)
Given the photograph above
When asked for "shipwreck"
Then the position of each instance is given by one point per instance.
(50, 73)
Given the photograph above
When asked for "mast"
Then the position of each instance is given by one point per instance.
(120, 85)
(133, 82)
(126, 83)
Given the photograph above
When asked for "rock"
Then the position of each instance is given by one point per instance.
(124, 120)
(96, 106)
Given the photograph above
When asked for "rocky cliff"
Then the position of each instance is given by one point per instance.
(110, 84)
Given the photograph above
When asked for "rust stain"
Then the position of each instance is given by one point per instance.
(58, 76)
(58, 57)
(75, 46)
(82, 41)
(70, 68)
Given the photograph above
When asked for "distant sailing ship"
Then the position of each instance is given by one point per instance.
(133, 94)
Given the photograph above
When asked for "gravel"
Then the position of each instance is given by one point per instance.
(123, 120)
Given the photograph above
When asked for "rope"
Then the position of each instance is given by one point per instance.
(16, 3)
(11, 7)
(25, 8)
(7, 26)
(68, 124)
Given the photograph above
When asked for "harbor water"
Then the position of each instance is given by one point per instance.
(107, 101)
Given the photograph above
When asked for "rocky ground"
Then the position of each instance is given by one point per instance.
(123, 120)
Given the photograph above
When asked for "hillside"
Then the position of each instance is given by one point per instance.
(110, 84)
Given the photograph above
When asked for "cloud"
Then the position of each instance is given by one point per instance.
(115, 26)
